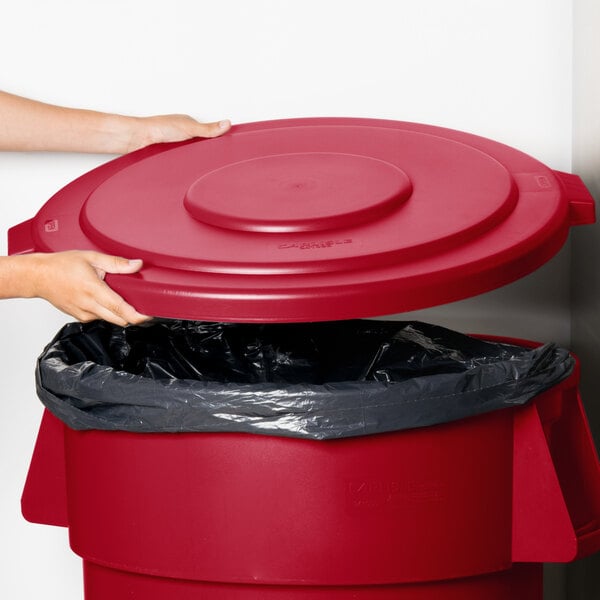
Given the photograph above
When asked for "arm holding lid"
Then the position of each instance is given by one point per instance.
(74, 281)
(30, 125)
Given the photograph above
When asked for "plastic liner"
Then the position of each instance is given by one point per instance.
(309, 380)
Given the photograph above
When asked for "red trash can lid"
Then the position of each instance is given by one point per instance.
(314, 219)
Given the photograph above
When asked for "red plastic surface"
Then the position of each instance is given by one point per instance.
(44, 498)
(315, 219)
(414, 506)
(520, 582)
(556, 481)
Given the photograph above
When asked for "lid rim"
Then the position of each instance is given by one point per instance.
(313, 283)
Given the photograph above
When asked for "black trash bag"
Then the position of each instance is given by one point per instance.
(308, 380)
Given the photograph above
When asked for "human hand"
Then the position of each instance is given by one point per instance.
(73, 282)
(172, 128)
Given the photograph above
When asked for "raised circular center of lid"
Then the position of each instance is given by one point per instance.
(151, 210)
(308, 191)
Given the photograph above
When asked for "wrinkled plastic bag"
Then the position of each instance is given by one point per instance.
(309, 380)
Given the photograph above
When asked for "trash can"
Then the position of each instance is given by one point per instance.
(304, 222)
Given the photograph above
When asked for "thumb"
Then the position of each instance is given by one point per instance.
(116, 264)
(212, 129)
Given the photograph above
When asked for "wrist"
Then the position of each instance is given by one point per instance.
(122, 134)
(20, 276)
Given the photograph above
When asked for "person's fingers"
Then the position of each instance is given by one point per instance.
(81, 315)
(210, 130)
(173, 128)
(105, 263)
(111, 307)
(182, 127)
(100, 301)
(106, 315)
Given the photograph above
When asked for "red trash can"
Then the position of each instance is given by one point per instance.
(314, 220)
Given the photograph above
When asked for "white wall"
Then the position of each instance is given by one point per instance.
(500, 68)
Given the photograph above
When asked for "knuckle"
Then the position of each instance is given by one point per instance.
(138, 320)
(83, 316)
(118, 307)
(208, 129)
(117, 261)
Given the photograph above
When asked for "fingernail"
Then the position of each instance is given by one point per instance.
(225, 124)
(135, 262)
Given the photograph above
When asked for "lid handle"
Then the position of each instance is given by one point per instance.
(556, 481)
(582, 208)
(44, 498)
(20, 240)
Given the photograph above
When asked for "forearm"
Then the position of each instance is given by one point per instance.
(30, 125)
(18, 275)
